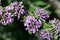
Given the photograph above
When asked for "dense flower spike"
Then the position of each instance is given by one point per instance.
(18, 8)
(15, 9)
(42, 13)
(6, 19)
(46, 34)
(56, 25)
(32, 24)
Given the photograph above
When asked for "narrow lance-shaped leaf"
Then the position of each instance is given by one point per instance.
(40, 3)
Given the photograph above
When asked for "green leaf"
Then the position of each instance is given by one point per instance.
(30, 13)
(9, 1)
(40, 3)
(1, 7)
(55, 37)
(48, 6)
(46, 25)
(30, 32)
(24, 18)
(31, 9)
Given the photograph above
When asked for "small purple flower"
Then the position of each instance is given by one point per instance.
(6, 19)
(56, 25)
(9, 8)
(20, 10)
(14, 4)
(54, 21)
(46, 34)
(32, 24)
(42, 13)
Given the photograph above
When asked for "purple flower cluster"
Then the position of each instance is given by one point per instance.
(56, 25)
(13, 10)
(46, 34)
(32, 24)
(16, 8)
(42, 13)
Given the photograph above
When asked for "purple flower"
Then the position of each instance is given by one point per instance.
(42, 13)
(32, 24)
(54, 21)
(46, 34)
(56, 25)
(14, 4)
(6, 19)
(18, 9)
(9, 8)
